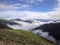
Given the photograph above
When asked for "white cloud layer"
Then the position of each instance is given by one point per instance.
(10, 11)
(24, 14)
(56, 13)
(33, 1)
(5, 6)
(13, 6)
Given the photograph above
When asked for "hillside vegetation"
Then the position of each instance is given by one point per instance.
(21, 37)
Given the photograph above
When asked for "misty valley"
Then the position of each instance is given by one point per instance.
(45, 30)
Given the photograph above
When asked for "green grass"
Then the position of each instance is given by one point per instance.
(32, 36)
(21, 37)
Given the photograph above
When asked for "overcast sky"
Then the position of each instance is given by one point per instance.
(30, 9)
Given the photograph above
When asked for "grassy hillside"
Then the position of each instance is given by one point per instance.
(21, 37)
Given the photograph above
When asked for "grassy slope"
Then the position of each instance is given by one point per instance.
(32, 36)
(22, 37)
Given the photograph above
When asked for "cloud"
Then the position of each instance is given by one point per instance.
(11, 10)
(13, 6)
(55, 14)
(40, 0)
(33, 1)
(24, 14)
(10, 5)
